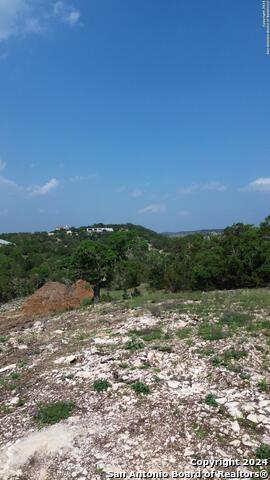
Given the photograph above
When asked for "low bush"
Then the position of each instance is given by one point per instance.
(53, 412)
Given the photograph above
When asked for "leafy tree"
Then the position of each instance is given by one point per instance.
(94, 263)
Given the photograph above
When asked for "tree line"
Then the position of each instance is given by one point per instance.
(132, 255)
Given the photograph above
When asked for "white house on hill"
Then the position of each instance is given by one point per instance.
(99, 229)
(5, 242)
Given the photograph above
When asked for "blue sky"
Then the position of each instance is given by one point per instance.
(154, 112)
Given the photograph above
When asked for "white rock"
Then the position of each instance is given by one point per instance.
(222, 400)
(248, 442)
(174, 384)
(8, 367)
(84, 374)
(181, 324)
(65, 360)
(188, 452)
(248, 407)
(253, 418)
(263, 419)
(234, 410)
(14, 401)
(235, 426)
(45, 442)
(104, 341)
(235, 443)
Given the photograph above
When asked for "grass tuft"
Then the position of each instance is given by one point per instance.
(101, 385)
(140, 388)
(53, 412)
(210, 400)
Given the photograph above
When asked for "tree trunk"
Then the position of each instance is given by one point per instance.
(96, 293)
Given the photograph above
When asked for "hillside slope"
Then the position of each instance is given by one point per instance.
(187, 378)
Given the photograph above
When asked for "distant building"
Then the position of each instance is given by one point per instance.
(51, 234)
(61, 227)
(69, 232)
(99, 229)
(5, 242)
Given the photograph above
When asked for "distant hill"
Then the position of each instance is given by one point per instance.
(184, 233)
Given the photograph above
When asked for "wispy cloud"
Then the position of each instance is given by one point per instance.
(154, 208)
(81, 178)
(2, 164)
(39, 191)
(136, 193)
(200, 187)
(22, 17)
(259, 185)
(5, 182)
(66, 13)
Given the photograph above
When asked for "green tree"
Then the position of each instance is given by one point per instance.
(95, 263)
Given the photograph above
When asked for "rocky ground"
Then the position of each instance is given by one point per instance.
(187, 378)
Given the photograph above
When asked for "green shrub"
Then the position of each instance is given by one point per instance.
(101, 385)
(212, 331)
(210, 400)
(125, 295)
(236, 319)
(3, 339)
(184, 332)
(134, 344)
(136, 292)
(106, 297)
(263, 385)
(163, 348)
(140, 388)
(86, 301)
(263, 451)
(228, 357)
(149, 334)
(53, 412)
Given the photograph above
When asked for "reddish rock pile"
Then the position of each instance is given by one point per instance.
(56, 296)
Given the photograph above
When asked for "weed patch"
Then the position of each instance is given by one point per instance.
(140, 388)
(134, 344)
(53, 412)
(184, 332)
(101, 385)
(210, 400)
(212, 331)
(148, 334)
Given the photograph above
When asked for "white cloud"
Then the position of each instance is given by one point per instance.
(23, 17)
(200, 187)
(66, 14)
(154, 208)
(215, 187)
(44, 189)
(33, 25)
(5, 182)
(136, 193)
(194, 187)
(11, 12)
(2, 164)
(259, 185)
